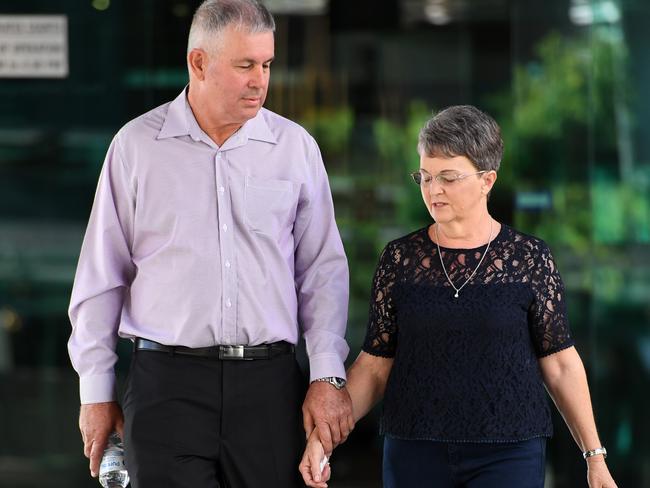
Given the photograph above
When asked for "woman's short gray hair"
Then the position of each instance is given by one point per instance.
(463, 130)
(213, 16)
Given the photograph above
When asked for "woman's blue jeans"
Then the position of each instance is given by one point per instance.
(430, 464)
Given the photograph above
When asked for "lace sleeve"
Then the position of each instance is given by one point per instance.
(548, 322)
(381, 336)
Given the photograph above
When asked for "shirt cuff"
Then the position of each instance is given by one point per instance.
(97, 389)
(326, 365)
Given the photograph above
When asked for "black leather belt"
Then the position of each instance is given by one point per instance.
(223, 352)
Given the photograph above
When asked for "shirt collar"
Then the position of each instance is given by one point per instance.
(180, 121)
(176, 123)
(257, 128)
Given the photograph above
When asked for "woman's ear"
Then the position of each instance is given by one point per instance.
(488, 181)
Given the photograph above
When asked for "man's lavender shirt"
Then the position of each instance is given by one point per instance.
(194, 244)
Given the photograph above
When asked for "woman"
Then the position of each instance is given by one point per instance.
(467, 326)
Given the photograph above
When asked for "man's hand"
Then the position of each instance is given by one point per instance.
(97, 421)
(329, 410)
(314, 467)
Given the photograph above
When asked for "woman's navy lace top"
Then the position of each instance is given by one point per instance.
(466, 369)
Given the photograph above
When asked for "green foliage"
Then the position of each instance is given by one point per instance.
(573, 82)
(552, 91)
(569, 222)
(558, 122)
(621, 213)
(397, 144)
(332, 128)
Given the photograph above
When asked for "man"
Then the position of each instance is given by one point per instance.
(212, 244)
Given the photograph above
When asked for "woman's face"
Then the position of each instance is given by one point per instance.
(451, 189)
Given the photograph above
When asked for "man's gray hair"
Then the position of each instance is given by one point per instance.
(213, 16)
(463, 130)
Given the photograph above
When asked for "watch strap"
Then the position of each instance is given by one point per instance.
(335, 381)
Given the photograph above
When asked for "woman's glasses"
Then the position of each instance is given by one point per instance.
(446, 178)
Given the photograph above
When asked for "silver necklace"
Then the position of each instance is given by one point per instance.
(475, 269)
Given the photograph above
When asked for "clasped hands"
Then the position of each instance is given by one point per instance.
(314, 466)
(328, 420)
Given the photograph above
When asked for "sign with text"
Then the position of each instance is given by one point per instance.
(33, 46)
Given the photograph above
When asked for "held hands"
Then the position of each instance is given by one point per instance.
(330, 411)
(97, 421)
(314, 467)
(597, 473)
(328, 421)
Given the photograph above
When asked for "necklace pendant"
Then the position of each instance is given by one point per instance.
(442, 263)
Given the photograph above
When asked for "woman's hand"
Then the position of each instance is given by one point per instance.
(314, 467)
(597, 473)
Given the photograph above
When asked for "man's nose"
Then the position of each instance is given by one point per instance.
(258, 77)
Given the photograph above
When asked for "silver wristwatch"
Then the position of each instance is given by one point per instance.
(336, 382)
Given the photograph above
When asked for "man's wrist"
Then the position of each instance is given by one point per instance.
(335, 381)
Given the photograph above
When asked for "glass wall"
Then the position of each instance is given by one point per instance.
(566, 79)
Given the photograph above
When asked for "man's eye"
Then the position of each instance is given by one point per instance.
(245, 66)
(266, 66)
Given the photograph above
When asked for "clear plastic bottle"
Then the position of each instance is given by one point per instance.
(112, 470)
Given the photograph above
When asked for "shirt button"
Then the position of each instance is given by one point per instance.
(222, 189)
(227, 264)
(228, 303)
(224, 227)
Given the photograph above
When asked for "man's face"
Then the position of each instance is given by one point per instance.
(237, 75)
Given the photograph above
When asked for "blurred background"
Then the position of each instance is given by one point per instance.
(567, 80)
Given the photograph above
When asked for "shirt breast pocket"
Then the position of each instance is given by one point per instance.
(269, 205)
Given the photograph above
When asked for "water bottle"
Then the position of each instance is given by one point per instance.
(112, 470)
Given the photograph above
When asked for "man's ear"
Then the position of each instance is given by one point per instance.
(197, 61)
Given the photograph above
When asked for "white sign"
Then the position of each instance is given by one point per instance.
(33, 46)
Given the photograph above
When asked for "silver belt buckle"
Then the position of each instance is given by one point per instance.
(232, 352)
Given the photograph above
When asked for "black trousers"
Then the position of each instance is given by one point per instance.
(195, 422)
